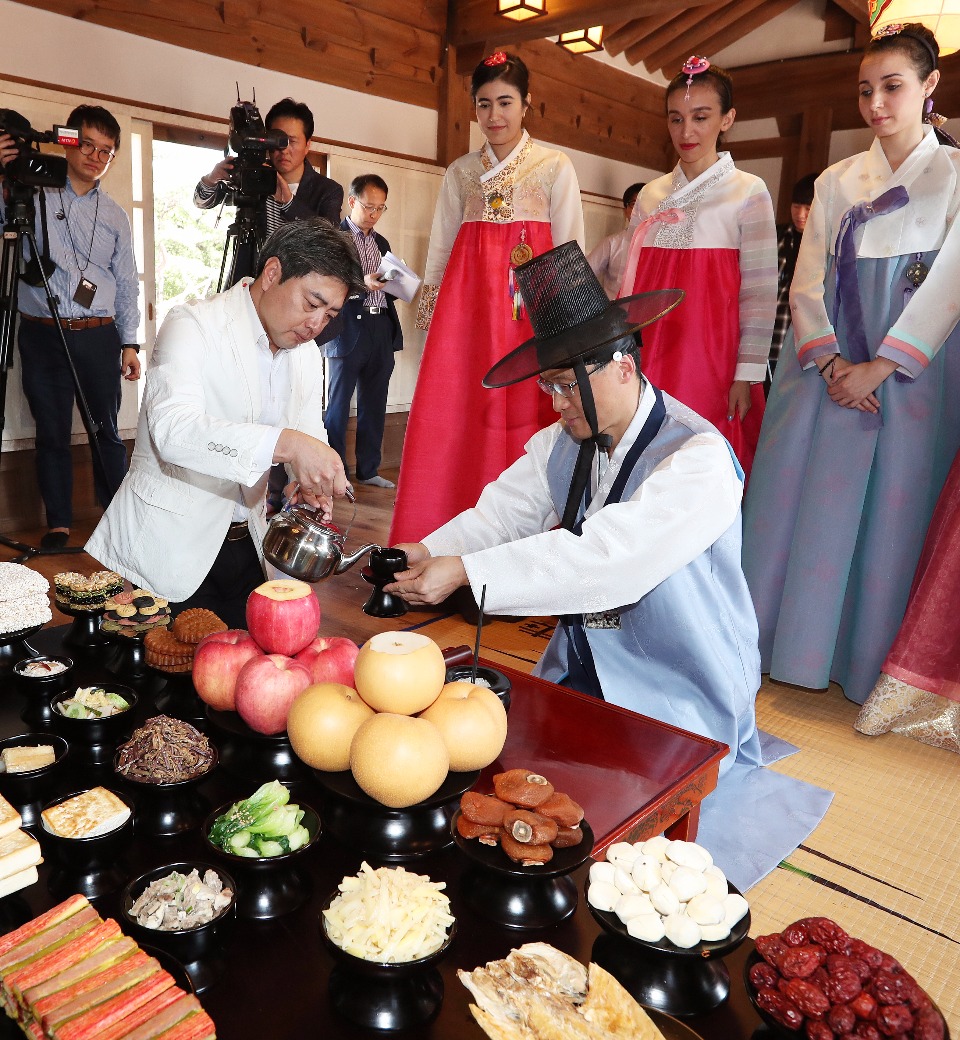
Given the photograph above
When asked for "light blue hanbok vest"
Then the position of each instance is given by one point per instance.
(686, 652)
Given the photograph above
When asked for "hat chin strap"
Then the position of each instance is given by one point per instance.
(588, 449)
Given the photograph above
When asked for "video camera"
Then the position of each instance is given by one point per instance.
(33, 168)
(252, 177)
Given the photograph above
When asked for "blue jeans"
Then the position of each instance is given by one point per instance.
(366, 369)
(49, 389)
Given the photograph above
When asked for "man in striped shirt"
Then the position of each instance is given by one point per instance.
(301, 191)
(361, 357)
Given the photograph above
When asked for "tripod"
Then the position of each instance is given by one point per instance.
(19, 228)
(245, 238)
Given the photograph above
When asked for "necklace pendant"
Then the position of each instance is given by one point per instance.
(916, 273)
(520, 254)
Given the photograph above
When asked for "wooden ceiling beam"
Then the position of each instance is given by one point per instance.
(838, 24)
(857, 9)
(633, 32)
(476, 21)
(677, 48)
(683, 27)
(735, 31)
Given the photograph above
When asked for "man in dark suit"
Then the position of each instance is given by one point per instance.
(361, 357)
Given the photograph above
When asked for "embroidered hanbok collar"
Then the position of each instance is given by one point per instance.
(879, 175)
(680, 186)
(493, 166)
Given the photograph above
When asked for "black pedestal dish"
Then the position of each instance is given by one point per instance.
(267, 886)
(358, 820)
(93, 741)
(174, 695)
(680, 981)
(254, 756)
(84, 634)
(196, 949)
(516, 896)
(490, 677)
(128, 659)
(40, 689)
(384, 996)
(90, 866)
(384, 565)
(167, 809)
(28, 791)
(14, 647)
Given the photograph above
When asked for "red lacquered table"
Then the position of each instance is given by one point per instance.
(634, 776)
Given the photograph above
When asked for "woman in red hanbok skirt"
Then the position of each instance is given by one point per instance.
(918, 692)
(498, 207)
(708, 228)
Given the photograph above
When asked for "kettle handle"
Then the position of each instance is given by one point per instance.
(348, 494)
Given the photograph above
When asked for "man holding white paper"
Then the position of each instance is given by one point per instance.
(361, 358)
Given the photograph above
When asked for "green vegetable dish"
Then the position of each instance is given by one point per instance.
(262, 825)
(92, 702)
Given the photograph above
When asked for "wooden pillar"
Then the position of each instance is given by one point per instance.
(454, 110)
(814, 153)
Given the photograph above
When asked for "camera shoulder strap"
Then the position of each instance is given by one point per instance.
(43, 224)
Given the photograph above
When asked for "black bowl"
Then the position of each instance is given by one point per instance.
(516, 896)
(168, 808)
(95, 732)
(497, 681)
(269, 886)
(662, 975)
(191, 945)
(381, 995)
(774, 1026)
(51, 682)
(88, 865)
(358, 820)
(29, 785)
(703, 951)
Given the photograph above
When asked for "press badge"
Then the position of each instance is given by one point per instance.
(85, 293)
(602, 619)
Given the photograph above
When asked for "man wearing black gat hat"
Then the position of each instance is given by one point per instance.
(644, 567)
(624, 520)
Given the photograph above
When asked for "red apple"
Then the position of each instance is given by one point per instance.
(330, 659)
(283, 615)
(266, 687)
(217, 662)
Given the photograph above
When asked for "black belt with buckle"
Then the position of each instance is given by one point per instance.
(374, 310)
(238, 530)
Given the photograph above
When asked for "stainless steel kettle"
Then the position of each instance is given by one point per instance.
(301, 544)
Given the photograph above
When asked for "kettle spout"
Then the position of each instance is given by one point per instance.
(346, 562)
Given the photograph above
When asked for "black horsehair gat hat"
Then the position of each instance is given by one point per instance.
(571, 315)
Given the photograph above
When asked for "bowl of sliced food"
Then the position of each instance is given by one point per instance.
(260, 839)
(94, 715)
(184, 909)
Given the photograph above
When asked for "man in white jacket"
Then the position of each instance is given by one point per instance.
(234, 385)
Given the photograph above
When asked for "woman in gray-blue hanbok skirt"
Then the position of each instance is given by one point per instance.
(840, 497)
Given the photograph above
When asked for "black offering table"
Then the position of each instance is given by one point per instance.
(276, 973)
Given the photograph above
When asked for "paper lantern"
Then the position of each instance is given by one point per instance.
(521, 10)
(582, 41)
(942, 17)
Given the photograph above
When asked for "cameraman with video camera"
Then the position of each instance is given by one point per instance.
(86, 245)
(301, 191)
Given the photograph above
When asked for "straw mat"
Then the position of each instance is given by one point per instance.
(883, 863)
